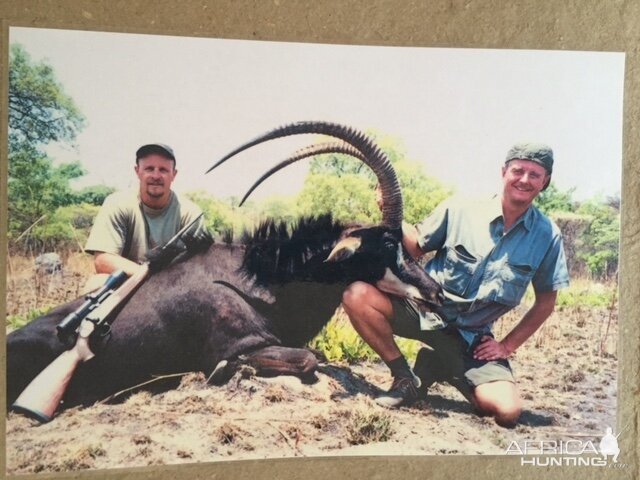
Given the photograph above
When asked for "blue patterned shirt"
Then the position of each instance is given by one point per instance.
(483, 270)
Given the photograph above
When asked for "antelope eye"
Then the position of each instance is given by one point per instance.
(389, 245)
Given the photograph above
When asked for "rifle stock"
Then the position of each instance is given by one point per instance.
(42, 396)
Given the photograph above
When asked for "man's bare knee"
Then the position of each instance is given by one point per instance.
(500, 400)
(505, 415)
(508, 417)
(358, 297)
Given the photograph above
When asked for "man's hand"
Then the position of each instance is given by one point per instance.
(490, 349)
(197, 241)
(159, 257)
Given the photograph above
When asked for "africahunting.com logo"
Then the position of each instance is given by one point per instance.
(548, 453)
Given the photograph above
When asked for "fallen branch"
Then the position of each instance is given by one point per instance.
(293, 447)
(154, 379)
(30, 227)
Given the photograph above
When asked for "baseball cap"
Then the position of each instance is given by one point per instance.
(157, 148)
(535, 152)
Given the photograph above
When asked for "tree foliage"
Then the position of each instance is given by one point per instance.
(601, 238)
(94, 194)
(345, 186)
(219, 215)
(37, 187)
(590, 229)
(279, 207)
(66, 228)
(40, 111)
(555, 200)
(348, 198)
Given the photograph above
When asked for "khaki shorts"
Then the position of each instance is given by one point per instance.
(453, 355)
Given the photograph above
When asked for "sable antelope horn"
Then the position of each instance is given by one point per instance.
(309, 151)
(372, 156)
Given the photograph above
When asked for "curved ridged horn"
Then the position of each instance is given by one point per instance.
(373, 157)
(310, 151)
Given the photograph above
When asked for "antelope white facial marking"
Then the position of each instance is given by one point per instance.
(392, 284)
(400, 260)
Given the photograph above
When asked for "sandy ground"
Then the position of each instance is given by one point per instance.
(253, 417)
(566, 374)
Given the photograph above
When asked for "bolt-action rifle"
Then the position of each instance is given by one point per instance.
(42, 396)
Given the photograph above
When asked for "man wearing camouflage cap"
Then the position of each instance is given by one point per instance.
(487, 252)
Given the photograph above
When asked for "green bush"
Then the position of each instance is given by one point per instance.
(582, 293)
(66, 228)
(18, 321)
(339, 342)
(219, 216)
(585, 298)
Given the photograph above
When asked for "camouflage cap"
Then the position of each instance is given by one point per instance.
(535, 152)
(157, 148)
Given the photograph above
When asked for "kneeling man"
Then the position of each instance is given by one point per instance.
(487, 252)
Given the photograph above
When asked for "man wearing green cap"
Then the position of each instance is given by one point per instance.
(130, 223)
(487, 252)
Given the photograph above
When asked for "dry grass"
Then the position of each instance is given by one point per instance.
(369, 425)
(28, 290)
(590, 330)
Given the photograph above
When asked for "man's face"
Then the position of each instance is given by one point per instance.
(156, 174)
(523, 180)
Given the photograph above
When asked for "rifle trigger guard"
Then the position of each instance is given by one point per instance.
(105, 330)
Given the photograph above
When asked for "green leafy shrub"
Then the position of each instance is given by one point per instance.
(585, 297)
(66, 229)
(582, 293)
(18, 321)
(339, 342)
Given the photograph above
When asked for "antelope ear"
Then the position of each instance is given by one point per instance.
(344, 249)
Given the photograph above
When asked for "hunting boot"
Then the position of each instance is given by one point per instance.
(404, 389)
(429, 370)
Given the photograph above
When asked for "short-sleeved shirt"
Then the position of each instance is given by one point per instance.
(127, 227)
(483, 270)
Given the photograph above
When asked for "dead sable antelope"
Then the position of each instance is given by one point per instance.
(256, 302)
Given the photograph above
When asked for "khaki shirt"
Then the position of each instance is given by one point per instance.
(126, 227)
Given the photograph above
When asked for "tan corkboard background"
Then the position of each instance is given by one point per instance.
(526, 24)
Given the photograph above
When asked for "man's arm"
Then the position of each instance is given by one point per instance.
(110, 262)
(490, 349)
(410, 240)
(109, 232)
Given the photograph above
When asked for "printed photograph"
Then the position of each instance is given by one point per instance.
(229, 250)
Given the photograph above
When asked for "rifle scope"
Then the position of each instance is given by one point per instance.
(70, 323)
